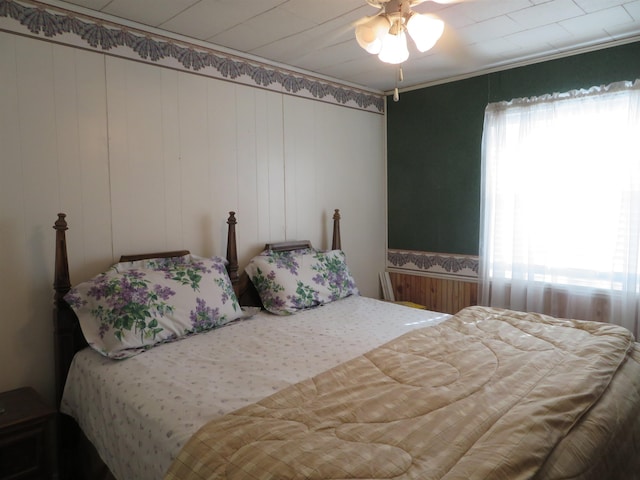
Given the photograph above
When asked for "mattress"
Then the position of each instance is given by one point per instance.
(140, 412)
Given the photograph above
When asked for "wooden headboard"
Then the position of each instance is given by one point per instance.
(68, 338)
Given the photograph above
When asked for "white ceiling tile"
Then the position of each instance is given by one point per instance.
(498, 48)
(596, 5)
(433, 67)
(451, 41)
(455, 17)
(546, 13)
(484, 10)
(489, 29)
(593, 22)
(274, 25)
(311, 41)
(633, 9)
(574, 41)
(333, 55)
(210, 17)
(349, 18)
(322, 11)
(368, 64)
(372, 72)
(241, 37)
(149, 12)
(532, 40)
(310, 45)
(284, 50)
(624, 31)
(91, 4)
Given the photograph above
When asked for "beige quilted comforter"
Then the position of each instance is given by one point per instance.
(488, 394)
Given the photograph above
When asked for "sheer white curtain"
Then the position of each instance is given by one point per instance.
(560, 205)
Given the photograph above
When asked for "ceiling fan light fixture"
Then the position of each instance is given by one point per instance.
(425, 30)
(369, 34)
(385, 34)
(372, 46)
(394, 48)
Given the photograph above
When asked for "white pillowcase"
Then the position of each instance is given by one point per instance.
(288, 282)
(135, 305)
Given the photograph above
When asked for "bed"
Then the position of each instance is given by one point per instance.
(352, 387)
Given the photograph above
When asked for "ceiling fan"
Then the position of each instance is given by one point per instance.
(384, 34)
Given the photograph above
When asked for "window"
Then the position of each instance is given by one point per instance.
(561, 199)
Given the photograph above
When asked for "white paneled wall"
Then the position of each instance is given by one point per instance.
(144, 158)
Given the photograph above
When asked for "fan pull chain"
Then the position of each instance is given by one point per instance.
(399, 78)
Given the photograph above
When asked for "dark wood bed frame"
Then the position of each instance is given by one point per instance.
(77, 458)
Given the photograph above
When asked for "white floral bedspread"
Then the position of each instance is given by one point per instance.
(139, 412)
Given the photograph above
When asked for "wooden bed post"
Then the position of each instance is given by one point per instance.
(336, 243)
(61, 281)
(232, 249)
(68, 338)
(64, 322)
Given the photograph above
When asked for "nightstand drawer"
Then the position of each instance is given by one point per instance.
(24, 444)
(21, 455)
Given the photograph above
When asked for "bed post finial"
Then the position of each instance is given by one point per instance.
(61, 281)
(336, 244)
(232, 249)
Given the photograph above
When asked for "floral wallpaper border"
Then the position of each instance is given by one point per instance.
(71, 28)
(463, 266)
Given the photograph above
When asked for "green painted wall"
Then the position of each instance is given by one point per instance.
(434, 136)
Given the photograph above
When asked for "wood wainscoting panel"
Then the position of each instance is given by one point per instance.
(438, 294)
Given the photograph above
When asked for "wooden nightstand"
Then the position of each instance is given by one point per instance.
(24, 440)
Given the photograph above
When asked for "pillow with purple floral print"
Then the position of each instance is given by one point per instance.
(288, 282)
(135, 305)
